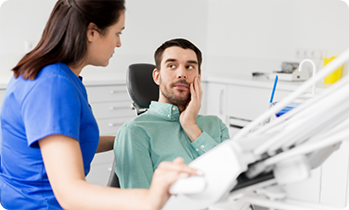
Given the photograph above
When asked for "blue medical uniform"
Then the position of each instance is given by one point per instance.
(53, 103)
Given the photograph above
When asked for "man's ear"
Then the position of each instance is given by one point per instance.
(91, 32)
(156, 76)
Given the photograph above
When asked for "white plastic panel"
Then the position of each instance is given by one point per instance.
(335, 178)
(308, 190)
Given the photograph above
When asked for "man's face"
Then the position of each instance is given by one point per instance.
(179, 67)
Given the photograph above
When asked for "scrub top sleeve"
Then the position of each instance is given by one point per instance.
(51, 107)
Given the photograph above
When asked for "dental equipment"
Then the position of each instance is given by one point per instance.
(253, 167)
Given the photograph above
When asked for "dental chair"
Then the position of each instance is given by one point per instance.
(142, 90)
(263, 158)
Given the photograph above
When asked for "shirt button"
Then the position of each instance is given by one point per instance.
(173, 108)
(202, 146)
(168, 115)
(197, 149)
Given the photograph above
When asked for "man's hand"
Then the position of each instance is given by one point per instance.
(190, 113)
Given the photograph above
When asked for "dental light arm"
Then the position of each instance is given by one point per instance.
(278, 153)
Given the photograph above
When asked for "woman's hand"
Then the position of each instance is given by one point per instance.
(164, 176)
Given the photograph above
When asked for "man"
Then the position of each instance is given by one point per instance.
(171, 127)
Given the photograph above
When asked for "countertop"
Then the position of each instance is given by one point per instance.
(90, 82)
(257, 81)
(244, 80)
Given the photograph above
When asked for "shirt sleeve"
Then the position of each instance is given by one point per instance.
(133, 164)
(51, 107)
(205, 142)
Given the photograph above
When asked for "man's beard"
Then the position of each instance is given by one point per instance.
(171, 97)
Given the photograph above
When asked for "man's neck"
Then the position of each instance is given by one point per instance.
(181, 108)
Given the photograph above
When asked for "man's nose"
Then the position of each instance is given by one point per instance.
(182, 73)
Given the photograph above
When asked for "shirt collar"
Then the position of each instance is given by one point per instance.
(164, 109)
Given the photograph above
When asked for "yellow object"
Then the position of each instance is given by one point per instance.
(334, 76)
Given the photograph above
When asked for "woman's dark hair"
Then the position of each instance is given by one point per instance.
(65, 35)
(179, 42)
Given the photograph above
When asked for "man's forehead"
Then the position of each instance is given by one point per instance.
(178, 54)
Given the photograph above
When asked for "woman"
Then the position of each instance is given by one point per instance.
(49, 133)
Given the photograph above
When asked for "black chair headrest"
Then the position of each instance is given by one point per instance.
(140, 84)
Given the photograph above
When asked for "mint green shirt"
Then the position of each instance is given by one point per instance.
(156, 136)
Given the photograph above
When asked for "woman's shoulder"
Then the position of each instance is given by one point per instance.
(56, 69)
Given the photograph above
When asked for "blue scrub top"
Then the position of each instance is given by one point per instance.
(53, 103)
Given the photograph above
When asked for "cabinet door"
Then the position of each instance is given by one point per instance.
(113, 109)
(111, 106)
(111, 126)
(100, 174)
(204, 98)
(107, 93)
(216, 100)
(245, 102)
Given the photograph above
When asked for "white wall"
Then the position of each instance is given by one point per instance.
(235, 36)
(148, 24)
(20, 21)
(246, 36)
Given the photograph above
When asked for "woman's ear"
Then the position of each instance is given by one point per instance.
(91, 32)
(156, 76)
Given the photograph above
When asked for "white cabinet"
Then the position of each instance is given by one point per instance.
(204, 98)
(111, 107)
(216, 101)
(247, 102)
(238, 102)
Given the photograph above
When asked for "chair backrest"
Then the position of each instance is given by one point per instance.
(140, 86)
(142, 89)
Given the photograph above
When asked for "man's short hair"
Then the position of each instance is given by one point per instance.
(179, 42)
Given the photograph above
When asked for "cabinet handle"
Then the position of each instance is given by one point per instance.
(115, 91)
(111, 124)
(114, 124)
(118, 107)
(221, 102)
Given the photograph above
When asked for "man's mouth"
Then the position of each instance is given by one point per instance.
(181, 86)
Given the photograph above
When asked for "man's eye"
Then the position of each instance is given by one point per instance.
(171, 66)
(190, 67)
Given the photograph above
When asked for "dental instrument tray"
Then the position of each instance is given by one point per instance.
(290, 72)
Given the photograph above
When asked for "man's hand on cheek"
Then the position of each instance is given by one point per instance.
(189, 115)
